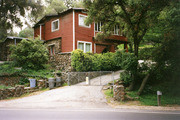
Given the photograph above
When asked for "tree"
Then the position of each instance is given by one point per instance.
(135, 16)
(31, 54)
(26, 33)
(57, 6)
(11, 10)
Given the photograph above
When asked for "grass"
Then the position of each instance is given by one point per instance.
(108, 93)
(4, 87)
(151, 99)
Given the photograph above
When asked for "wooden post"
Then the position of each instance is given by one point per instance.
(159, 93)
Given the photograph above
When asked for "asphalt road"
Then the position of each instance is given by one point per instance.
(95, 114)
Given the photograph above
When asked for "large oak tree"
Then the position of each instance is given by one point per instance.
(12, 10)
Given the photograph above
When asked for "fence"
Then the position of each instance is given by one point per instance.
(95, 78)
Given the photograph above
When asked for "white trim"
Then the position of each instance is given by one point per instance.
(40, 31)
(73, 30)
(115, 30)
(99, 25)
(94, 29)
(79, 21)
(52, 25)
(85, 45)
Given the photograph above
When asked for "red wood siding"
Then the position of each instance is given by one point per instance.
(83, 33)
(48, 33)
(67, 32)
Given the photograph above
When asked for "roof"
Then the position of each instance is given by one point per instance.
(56, 15)
(13, 37)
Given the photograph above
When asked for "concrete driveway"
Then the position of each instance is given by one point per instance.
(76, 96)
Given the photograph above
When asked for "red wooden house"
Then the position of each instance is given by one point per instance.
(66, 31)
(69, 30)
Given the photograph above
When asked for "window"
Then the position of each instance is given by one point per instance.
(82, 21)
(52, 50)
(98, 26)
(85, 46)
(116, 30)
(55, 25)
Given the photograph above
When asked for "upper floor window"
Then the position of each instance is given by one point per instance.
(82, 21)
(98, 26)
(85, 46)
(55, 25)
(116, 30)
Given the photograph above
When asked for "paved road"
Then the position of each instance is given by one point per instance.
(86, 115)
(65, 97)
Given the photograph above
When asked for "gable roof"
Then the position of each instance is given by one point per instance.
(56, 15)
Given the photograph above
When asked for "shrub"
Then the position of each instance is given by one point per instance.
(146, 53)
(94, 62)
(81, 61)
(129, 62)
(30, 54)
(23, 81)
(126, 78)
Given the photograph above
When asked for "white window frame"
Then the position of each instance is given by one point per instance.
(115, 30)
(80, 23)
(98, 24)
(57, 20)
(84, 42)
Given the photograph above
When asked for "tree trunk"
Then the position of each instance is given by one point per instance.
(143, 84)
(136, 46)
(131, 87)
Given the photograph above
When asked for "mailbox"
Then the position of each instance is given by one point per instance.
(159, 93)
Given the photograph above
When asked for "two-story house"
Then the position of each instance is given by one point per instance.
(66, 31)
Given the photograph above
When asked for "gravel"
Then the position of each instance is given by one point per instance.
(76, 96)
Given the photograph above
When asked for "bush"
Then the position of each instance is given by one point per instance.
(94, 62)
(30, 54)
(146, 53)
(23, 81)
(126, 78)
(129, 62)
(81, 61)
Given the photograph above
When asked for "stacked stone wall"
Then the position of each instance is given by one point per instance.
(119, 92)
(9, 81)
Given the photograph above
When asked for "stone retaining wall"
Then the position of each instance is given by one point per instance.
(15, 91)
(76, 77)
(9, 81)
(62, 61)
(119, 93)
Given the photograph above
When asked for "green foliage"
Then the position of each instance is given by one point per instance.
(8, 69)
(135, 16)
(12, 10)
(129, 62)
(126, 78)
(26, 33)
(30, 54)
(23, 81)
(146, 53)
(109, 93)
(4, 87)
(94, 62)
